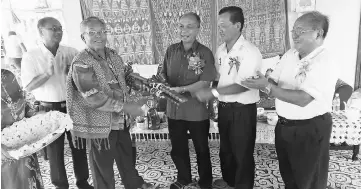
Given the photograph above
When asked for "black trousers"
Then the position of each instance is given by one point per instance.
(303, 151)
(237, 128)
(198, 131)
(102, 161)
(55, 153)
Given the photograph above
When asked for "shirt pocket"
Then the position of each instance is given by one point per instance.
(191, 76)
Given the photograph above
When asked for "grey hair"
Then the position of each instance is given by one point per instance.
(43, 21)
(318, 21)
(84, 24)
(195, 15)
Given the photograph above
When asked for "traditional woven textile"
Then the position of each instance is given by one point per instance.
(265, 24)
(90, 123)
(166, 14)
(129, 24)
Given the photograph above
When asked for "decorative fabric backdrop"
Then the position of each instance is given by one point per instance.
(141, 30)
(129, 24)
(265, 24)
(166, 14)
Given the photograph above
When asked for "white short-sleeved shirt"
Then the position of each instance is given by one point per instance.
(37, 61)
(319, 82)
(13, 48)
(250, 60)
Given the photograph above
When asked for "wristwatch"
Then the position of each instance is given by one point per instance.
(267, 89)
(215, 93)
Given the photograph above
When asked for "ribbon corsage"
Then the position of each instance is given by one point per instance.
(301, 75)
(233, 61)
(195, 63)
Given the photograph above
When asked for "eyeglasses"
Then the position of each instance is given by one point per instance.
(188, 27)
(93, 33)
(300, 32)
(54, 29)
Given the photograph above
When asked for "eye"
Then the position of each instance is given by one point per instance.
(92, 33)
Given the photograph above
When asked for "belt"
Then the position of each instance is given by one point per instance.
(48, 106)
(290, 122)
(230, 104)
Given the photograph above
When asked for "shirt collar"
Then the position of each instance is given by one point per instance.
(237, 45)
(97, 56)
(47, 52)
(194, 47)
(312, 55)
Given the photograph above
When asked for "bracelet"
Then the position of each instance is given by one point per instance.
(268, 89)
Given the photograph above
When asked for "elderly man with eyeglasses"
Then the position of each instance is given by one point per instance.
(98, 103)
(303, 84)
(43, 73)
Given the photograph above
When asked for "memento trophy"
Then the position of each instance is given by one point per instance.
(152, 115)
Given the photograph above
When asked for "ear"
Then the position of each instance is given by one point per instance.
(239, 25)
(40, 32)
(320, 34)
(82, 37)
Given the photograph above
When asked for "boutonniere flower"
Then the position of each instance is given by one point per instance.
(304, 68)
(233, 61)
(195, 63)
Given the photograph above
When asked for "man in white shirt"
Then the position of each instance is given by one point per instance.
(236, 60)
(303, 84)
(43, 73)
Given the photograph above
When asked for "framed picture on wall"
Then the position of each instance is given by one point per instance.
(305, 5)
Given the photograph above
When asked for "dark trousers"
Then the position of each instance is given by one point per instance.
(303, 152)
(198, 131)
(55, 153)
(102, 161)
(237, 129)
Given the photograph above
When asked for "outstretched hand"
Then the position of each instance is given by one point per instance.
(256, 83)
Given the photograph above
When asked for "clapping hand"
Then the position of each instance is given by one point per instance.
(256, 83)
(50, 70)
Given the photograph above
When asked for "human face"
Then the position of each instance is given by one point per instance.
(304, 37)
(94, 35)
(228, 30)
(188, 29)
(52, 31)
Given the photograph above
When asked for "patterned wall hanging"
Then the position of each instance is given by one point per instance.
(129, 24)
(166, 14)
(265, 24)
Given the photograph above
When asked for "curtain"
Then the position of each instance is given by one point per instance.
(358, 61)
(166, 14)
(265, 24)
(86, 8)
(129, 24)
(141, 30)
